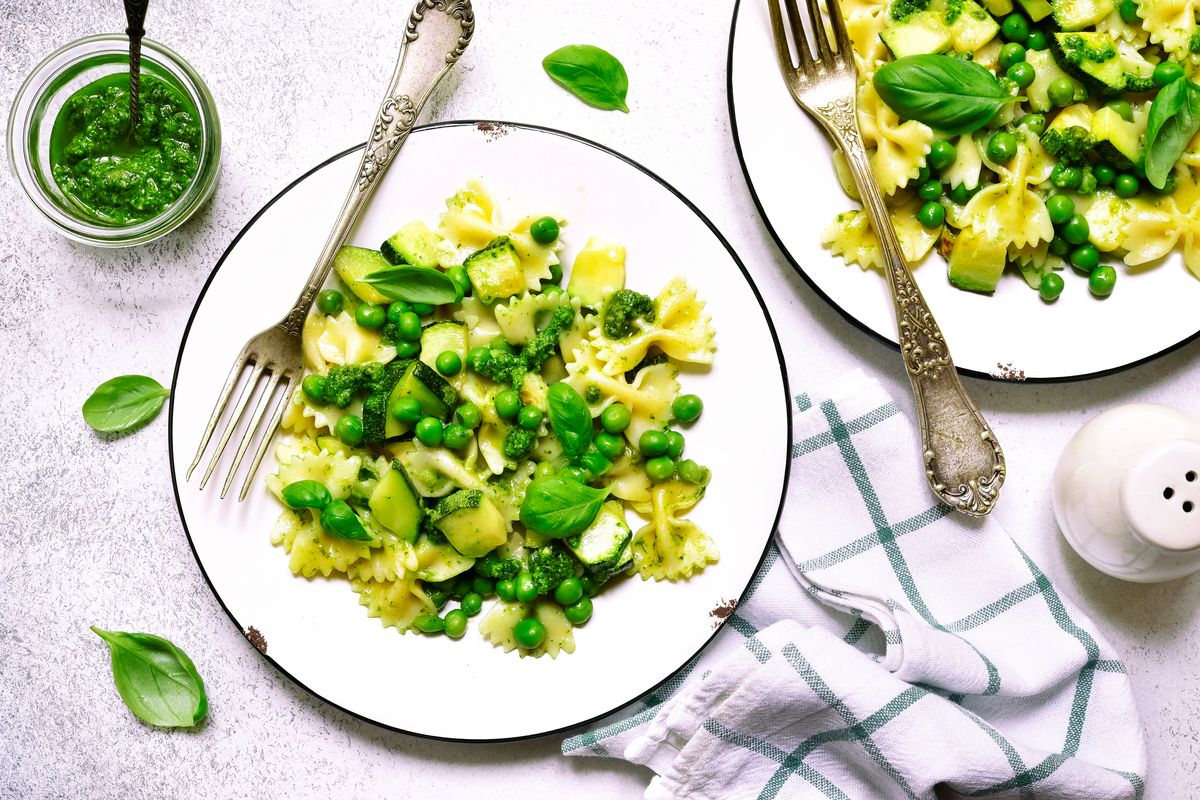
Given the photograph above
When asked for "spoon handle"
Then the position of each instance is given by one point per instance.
(135, 16)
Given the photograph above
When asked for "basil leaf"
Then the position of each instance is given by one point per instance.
(947, 94)
(124, 403)
(1173, 120)
(157, 681)
(593, 75)
(414, 285)
(306, 494)
(570, 418)
(339, 520)
(556, 506)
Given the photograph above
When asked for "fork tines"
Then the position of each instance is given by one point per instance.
(828, 57)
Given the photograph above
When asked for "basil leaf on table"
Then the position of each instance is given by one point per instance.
(570, 418)
(157, 681)
(124, 403)
(414, 285)
(1173, 120)
(593, 75)
(306, 494)
(556, 506)
(339, 520)
(947, 94)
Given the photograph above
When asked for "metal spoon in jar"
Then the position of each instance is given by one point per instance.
(135, 17)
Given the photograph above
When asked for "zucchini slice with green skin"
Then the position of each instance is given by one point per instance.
(378, 425)
(395, 504)
(923, 32)
(355, 263)
(1117, 140)
(495, 271)
(972, 28)
(600, 546)
(1075, 15)
(421, 382)
(440, 337)
(413, 244)
(1037, 10)
(470, 522)
(1097, 61)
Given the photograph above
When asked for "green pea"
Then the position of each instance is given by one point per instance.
(556, 275)
(1122, 107)
(568, 592)
(1021, 73)
(960, 195)
(438, 598)
(482, 586)
(408, 349)
(314, 387)
(429, 623)
(1061, 208)
(349, 430)
(502, 345)
(1034, 123)
(461, 280)
(941, 155)
(394, 311)
(472, 603)
(1036, 40)
(1065, 177)
(930, 190)
(544, 469)
(1060, 247)
(1129, 12)
(574, 473)
(652, 443)
(1051, 287)
(553, 289)
(590, 587)
(1076, 230)
(422, 309)
(1061, 91)
(686, 408)
(544, 230)
(525, 590)
(508, 404)
(931, 215)
(595, 462)
(660, 469)
(506, 590)
(1102, 281)
(610, 445)
(370, 316)
(529, 418)
(330, 302)
(1085, 258)
(1167, 72)
(407, 409)
(469, 415)
(1015, 28)
(924, 174)
(1011, 53)
(1126, 185)
(448, 363)
(1104, 173)
(429, 431)
(691, 472)
(675, 444)
(456, 436)
(579, 612)
(615, 418)
(455, 623)
(409, 326)
(529, 633)
(477, 357)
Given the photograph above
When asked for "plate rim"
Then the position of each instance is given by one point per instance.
(855, 321)
(699, 215)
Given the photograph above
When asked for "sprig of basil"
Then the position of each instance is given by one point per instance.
(157, 681)
(570, 418)
(124, 403)
(555, 506)
(339, 520)
(947, 94)
(1173, 120)
(593, 75)
(306, 494)
(414, 285)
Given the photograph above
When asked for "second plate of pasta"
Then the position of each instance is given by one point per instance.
(478, 521)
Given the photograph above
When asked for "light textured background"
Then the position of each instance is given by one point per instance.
(89, 530)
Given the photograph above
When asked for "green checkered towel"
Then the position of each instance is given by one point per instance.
(887, 647)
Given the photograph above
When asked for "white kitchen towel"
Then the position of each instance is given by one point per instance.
(888, 648)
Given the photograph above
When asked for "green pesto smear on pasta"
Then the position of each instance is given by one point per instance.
(472, 437)
(1074, 149)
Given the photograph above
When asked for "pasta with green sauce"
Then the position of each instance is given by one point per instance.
(442, 458)
(1091, 155)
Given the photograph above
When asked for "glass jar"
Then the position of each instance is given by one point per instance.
(42, 96)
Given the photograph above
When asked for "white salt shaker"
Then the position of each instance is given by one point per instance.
(1127, 493)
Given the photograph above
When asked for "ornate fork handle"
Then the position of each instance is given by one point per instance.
(963, 459)
(437, 33)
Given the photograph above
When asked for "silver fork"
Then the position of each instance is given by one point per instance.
(963, 459)
(437, 33)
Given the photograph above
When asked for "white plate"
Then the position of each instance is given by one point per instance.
(1012, 333)
(641, 631)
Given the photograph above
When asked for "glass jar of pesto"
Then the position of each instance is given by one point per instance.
(96, 181)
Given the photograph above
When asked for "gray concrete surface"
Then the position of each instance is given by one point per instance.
(89, 529)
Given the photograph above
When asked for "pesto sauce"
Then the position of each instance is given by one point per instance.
(116, 177)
